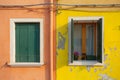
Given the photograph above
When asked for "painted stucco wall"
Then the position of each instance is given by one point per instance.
(23, 73)
(110, 70)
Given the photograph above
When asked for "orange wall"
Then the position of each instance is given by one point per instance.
(23, 73)
(22, 1)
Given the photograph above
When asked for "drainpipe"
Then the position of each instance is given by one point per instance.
(52, 40)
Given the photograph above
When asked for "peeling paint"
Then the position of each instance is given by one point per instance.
(88, 68)
(105, 57)
(74, 66)
(105, 77)
(95, 70)
(107, 62)
(110, 49)
(61, 41)
(105, 66)
(70, 69)
(115, 48)
(56, 53)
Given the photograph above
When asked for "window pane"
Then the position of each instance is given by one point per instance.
(27, 42)
(90, 39)
(90, 53)
(77, 41)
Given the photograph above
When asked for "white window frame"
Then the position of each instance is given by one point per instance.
(12, 42)
(85, 62)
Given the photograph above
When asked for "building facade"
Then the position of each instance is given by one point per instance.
(88, 40)
(59, 40)
(27, 37)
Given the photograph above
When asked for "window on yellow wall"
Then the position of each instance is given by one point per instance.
(86, 41)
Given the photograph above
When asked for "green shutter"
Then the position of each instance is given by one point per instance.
(72, 45)
(27, 42)
(33, 43)
(90, 57)
(99, 40)
(17, 31)
(21, 43)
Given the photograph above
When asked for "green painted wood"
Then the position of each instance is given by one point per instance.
(37, 42)
(99, 41)
(33, 42)
(27, 42)
(72, 40)
(17, 44)
(90, 57)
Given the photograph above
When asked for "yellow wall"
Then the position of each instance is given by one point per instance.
(111, 68)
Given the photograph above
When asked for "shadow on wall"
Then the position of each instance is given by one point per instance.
(62, 49)
(62, 46)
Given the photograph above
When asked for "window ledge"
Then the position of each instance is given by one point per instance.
(86, 63)
(25, 64)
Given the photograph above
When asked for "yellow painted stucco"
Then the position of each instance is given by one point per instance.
(111, 68)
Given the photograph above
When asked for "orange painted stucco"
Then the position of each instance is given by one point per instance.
(26, 73)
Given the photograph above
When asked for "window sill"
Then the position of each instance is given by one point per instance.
(25, 64)
(86, 63)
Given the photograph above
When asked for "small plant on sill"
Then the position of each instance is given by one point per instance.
(76, 55)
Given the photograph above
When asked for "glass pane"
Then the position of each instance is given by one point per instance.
(77, 41)
(90, 42)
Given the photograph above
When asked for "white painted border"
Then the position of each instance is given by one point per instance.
(12, 41)
(25, 64)
(88, 63)
(94, 18)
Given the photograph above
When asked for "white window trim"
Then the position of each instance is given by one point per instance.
(12, 42)
(85, 62)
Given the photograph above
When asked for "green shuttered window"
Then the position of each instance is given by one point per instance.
(27, 37)
(26, 42)
(85, 40)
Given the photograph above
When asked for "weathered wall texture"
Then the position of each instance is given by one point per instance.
(110, 70)
(23, 73)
